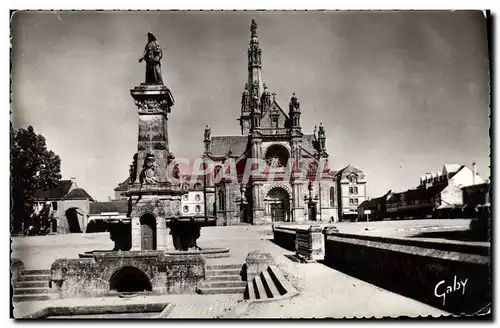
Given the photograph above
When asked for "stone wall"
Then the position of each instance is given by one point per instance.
(16, 266)
(171, 274)
(417, 269)
(284, 237)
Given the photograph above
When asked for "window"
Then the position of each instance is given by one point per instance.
(186, 209)
(185, 197)
(197, 197)
(198, 209)
(332, 196)
(351, 190)
(355, 189)
(351, 201)
(54, 206)
(197, 186)
(353, 179)
(356, 201)
(275, 122)
(222, 204)
(217, 169)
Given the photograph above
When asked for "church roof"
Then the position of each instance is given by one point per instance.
(222, 144)
(58, 192)
(78, 193)
(308, 144)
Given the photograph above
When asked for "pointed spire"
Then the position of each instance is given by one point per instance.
(274, 96)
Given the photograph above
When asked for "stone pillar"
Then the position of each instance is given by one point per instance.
(161, 234)
(256, 262)
(135, 227)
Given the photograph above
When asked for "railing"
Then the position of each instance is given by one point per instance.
(274, 131)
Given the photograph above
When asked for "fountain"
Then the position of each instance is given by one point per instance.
(157, 247)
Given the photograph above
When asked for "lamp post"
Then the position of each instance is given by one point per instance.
(311, 203)
(318, 158)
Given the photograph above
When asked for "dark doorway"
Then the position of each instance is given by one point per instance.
(313, 211)
(148, 232)
(130, 279)
(277, 212)
(243, 213)
(279, 204)
(74, 216)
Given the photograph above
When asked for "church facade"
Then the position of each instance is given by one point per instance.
(289, 177)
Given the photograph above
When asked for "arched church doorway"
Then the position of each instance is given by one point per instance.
(74, 217)
(279, 204)
(148, 232)
(130, 279)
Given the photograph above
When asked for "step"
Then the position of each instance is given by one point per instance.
(217, 284)
(221, 290)
(223, 272)
(270, 287)
(34, 277)
(260, 292)
(283, 285)
(223, 278)
(249, 291)
(31, 291)
(34, 272)
(224, 266)
(28, 284)
(34, 297)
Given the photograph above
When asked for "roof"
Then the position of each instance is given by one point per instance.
(120, 206)
(419, 194)
(451, 168)
(308, 143)
(343, 173)
(222, 144)
(374, 202)
(58, 192)
(78, 193)
(122, 186)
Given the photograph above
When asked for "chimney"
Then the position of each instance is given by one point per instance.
(474, 173)
(73, 180)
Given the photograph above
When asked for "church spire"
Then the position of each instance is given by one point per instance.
(255, 81)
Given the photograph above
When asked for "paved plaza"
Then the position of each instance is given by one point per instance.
(323, 291)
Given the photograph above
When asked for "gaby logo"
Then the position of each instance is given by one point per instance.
(442, 288)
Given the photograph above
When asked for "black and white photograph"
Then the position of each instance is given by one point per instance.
(250, 164)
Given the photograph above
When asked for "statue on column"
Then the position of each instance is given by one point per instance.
(152, 56)
(150, 171)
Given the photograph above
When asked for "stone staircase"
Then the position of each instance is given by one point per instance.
(33, 285)
(222, 279)
(268, 285)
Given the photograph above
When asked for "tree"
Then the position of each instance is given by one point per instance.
(32, 167)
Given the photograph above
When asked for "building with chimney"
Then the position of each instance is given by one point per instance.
(439, 194)
(295, 185)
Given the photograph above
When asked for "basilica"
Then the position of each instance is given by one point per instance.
(274, 135)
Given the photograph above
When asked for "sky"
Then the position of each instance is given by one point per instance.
(399, 93)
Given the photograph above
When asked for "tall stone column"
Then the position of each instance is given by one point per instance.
(152, 190)
(135, 226)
